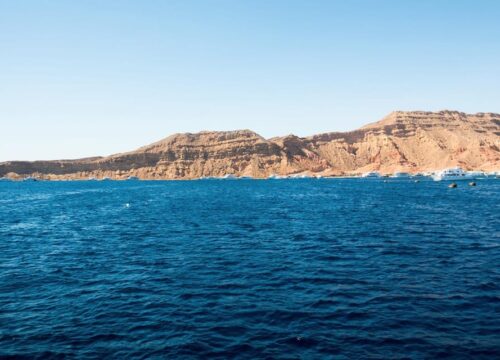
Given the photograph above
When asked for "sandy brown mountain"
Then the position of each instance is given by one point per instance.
(403, 141)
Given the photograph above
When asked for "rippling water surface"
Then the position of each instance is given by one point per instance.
(250, 269)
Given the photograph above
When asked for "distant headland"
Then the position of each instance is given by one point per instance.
(412, 142)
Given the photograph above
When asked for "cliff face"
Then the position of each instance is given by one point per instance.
(402, 141)
(415, 141)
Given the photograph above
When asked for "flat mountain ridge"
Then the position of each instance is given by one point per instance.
(407, 141)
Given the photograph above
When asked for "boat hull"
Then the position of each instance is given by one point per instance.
(453, 178)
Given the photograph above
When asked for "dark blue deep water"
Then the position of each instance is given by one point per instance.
(309, 269)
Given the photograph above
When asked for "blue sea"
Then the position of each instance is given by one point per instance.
(250, 269)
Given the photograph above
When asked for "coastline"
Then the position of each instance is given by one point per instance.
(414, 142)
(473, 175)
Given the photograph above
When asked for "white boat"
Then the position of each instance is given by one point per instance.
(276, 177)
(400, 175)
(421, 176)
(452, 174)
(476, 174)
(371, 174)
(229, 177)
(299, 176)
(132, 178)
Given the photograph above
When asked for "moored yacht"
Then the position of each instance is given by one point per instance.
(276, 176)
(371, 174)
(452, 174)
(229, 177)
(299, 176)
(476, 174)
(401, 175)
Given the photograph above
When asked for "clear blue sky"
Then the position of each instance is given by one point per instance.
(84, 78)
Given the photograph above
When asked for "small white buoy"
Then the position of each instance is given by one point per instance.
(127, 205)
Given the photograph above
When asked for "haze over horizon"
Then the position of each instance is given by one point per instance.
(82, 79)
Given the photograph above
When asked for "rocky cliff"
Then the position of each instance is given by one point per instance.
(402, 141)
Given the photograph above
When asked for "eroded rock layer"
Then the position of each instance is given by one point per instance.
(403, 141)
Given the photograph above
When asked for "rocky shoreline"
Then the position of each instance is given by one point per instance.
(410, 142)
